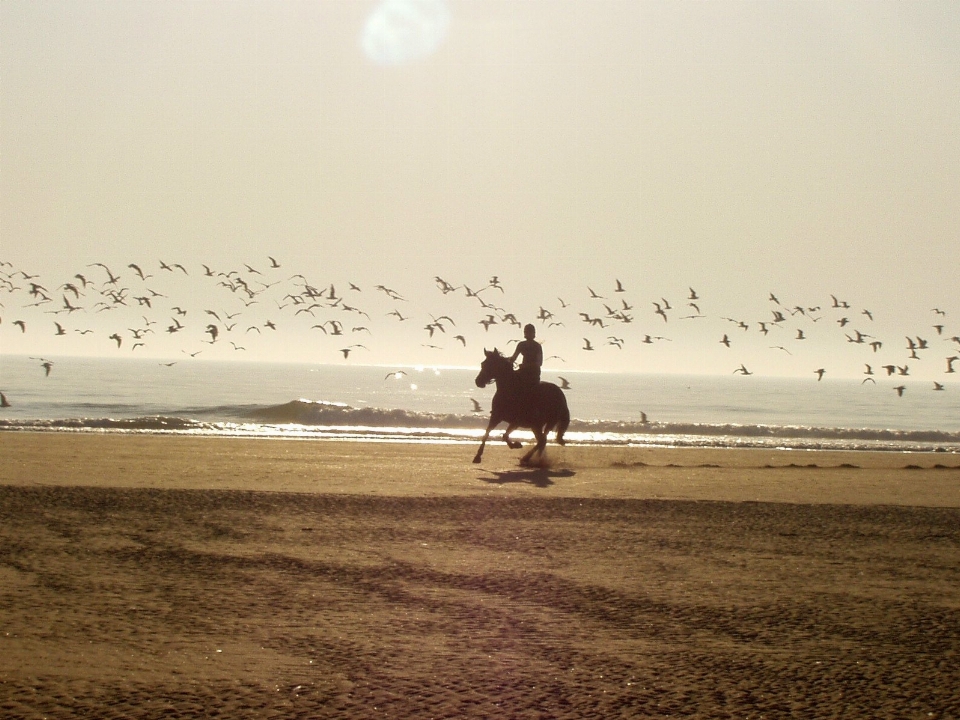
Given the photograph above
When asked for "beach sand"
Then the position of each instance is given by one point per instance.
(170, 576)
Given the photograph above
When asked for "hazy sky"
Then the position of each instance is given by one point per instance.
(738, 148)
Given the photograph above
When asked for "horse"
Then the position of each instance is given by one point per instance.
(542, 411)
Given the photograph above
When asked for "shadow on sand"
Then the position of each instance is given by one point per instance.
(538, 477)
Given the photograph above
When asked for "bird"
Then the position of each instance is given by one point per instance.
(725, 340)
(138, 271)
(111, 278)
(346, 351)
(742, 370)
(937, 386)
(564, 384)
(587, 345)
(396, 375)
(67, 307)
(118, 338)
(444, 286)
(592, 320)
(4, 403)
(900, 389)
(476, 406)
(819, 373)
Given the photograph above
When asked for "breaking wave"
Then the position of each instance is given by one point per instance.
(316, 419)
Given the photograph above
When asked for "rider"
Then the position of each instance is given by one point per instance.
(532, 352)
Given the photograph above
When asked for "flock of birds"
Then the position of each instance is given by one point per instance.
(172, 310)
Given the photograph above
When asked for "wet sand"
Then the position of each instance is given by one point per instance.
(148, 576)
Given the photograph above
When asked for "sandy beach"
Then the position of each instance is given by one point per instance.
(170, 576)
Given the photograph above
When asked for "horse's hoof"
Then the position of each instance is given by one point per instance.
(561, 441)
(476, 459)
(515, 444)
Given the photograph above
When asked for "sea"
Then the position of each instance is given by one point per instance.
(437, 405)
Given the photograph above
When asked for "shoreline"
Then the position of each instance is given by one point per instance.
(415, 469)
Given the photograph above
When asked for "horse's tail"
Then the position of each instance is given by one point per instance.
(564, 419)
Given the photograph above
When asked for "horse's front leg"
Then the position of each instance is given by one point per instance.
(494, 421)
(512, 444)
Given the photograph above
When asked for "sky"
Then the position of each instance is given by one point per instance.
(538, 153)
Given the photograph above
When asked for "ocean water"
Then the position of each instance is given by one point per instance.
(426, 404)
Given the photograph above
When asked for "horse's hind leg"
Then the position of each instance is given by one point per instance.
(550, 428)
(512, 444)
(538, 448)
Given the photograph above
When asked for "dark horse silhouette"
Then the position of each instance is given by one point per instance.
(543, 409)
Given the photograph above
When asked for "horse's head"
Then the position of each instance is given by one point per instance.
(492, 367)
